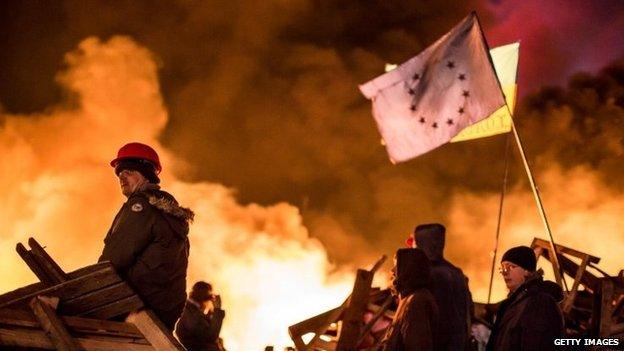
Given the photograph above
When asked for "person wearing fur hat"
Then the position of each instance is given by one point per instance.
(415, 322)
(449, 287)
(147, 242)
(530, 318)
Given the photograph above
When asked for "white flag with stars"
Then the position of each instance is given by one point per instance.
(429, 99)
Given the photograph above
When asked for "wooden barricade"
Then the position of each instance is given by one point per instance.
(598, 309)
(71, 311)
(350, 326)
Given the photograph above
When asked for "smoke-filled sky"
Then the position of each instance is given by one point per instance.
(255, 108)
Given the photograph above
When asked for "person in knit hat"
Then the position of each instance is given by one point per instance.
(530, 318)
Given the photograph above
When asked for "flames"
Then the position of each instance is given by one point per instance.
(583, 213)
(57, 186)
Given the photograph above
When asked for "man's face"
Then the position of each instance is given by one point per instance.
(513, 274)
(130, 180)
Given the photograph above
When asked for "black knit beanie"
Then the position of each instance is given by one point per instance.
(523, 256)
(142, 166)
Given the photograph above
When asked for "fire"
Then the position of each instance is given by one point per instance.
(582, 212)
(57, 186)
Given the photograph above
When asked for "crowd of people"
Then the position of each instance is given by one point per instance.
(435, 305)
(148, 246)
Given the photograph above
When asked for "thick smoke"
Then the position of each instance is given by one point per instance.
(262, 98)
(57, 186)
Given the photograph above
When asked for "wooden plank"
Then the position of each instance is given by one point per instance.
(95, 299)
(114, 309)
(312, 324)
(324, 345)
(378, 264)
(564, 249)
(32, 288)
(154, 331)
(28, 338)
(52, 324)
(34, 266)
(376, 308)
(72, 288)
(381, 311)
(606, 308)
(570, 267)
(46, 262)
(89, 269)
(19, 292)
(352, 321)
(569, 300)
(23, 318)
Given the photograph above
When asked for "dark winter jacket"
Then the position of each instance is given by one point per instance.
(416, 320)
(449, 287)
(148, 246)
(529, 319)
(198, 331)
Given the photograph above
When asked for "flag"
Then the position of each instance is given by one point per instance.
(505, 59)
(429, 99)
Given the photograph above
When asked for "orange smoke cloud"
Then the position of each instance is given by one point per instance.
(582, 211)
(58, 187)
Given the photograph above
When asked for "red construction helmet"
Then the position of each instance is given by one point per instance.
(140, 151)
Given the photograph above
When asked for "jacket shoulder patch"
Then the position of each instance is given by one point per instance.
(136, 207)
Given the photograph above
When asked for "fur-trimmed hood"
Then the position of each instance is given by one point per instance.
(170, 206)
(165, 202)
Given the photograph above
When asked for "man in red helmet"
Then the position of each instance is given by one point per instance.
(147, 242)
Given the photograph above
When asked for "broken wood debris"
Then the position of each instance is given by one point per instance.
(72, 311)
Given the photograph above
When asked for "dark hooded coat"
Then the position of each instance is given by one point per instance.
(148, 246)
(529, 319)
(198, 331)
(416, 320)
(449, 287)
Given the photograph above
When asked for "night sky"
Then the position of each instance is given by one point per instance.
(262, 97)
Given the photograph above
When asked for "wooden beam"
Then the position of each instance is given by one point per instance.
(154, 331)
(378, 264)
(28, 338)
(580, 271)
(317, 325)
(606, 308)
(34, 266)
(563, 249)
(324, 345)
(33, 288)
(381, 311)
(72, 288)
(52, 324)
(25, 318)
(95, 299)
(312, 324)
(114, 309)
(375, 308)
(352, 321)
(46, 262)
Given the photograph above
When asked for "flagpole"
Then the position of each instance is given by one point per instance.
(500, 215)
(555, 259)
(538, 200)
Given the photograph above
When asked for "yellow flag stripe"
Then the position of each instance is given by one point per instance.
(497, 123)
(505, 59)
